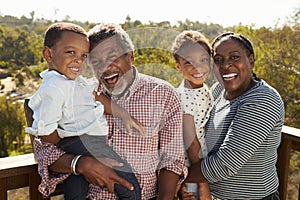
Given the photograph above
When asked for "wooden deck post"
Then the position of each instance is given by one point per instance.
(283, 166)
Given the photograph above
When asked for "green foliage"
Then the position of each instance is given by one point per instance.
(11, 126)
(33, 71)
(277, 62)
(20, 47)
(277, 53)
(158, 63)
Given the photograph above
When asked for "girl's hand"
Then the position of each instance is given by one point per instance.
(184, 195)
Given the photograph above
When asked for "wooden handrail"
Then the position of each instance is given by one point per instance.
(21, 171)
(290, 140)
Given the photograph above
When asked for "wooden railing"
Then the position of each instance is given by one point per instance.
(290, 140)
(21, 171)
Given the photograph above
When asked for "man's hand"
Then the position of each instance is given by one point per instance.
(101, 173)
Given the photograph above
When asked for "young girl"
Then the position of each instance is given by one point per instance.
(191, 52)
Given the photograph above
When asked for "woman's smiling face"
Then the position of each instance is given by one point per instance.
(233, 66)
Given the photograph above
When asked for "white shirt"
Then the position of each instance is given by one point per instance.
(67, 106)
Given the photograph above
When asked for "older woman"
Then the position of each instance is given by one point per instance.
(244, 129)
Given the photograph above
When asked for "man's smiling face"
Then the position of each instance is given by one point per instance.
(112, 65)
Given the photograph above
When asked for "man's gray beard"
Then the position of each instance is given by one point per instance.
(123, 84)
(116, 92)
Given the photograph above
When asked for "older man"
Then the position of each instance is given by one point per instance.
(157, 158)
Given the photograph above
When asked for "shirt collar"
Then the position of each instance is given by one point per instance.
(50, 73)
(182, 88)
(82, 80)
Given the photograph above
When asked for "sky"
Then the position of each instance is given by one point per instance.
(256, 13)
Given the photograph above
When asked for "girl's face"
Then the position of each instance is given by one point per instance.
(68, 55)
(233, 67)
(194, 64)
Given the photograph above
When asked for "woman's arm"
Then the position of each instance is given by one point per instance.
(167, 183)
(256, 120)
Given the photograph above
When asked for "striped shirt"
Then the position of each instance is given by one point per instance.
(156, 105)
(242, 137)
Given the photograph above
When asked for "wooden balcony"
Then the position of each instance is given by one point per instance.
(290, 140)
(21, 171)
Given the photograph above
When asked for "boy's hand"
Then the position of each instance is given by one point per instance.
(53, 138)
(118, 111)
(131, 122)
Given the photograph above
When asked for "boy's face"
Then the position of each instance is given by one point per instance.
(68, 55)
(194, 64)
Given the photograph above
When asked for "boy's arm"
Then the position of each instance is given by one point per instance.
(191, 141)
(112, 108)
(53, 138)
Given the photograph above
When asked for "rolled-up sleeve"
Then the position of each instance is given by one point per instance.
(47, 107)
(171, 139)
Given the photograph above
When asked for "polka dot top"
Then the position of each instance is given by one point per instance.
(198, 103)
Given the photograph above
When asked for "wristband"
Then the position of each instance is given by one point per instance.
(73, 164)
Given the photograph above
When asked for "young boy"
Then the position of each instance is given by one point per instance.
(191, 52)
(66, 113)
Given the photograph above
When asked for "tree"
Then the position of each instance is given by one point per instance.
(32, 15)
(11, 125)
(277, 62)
